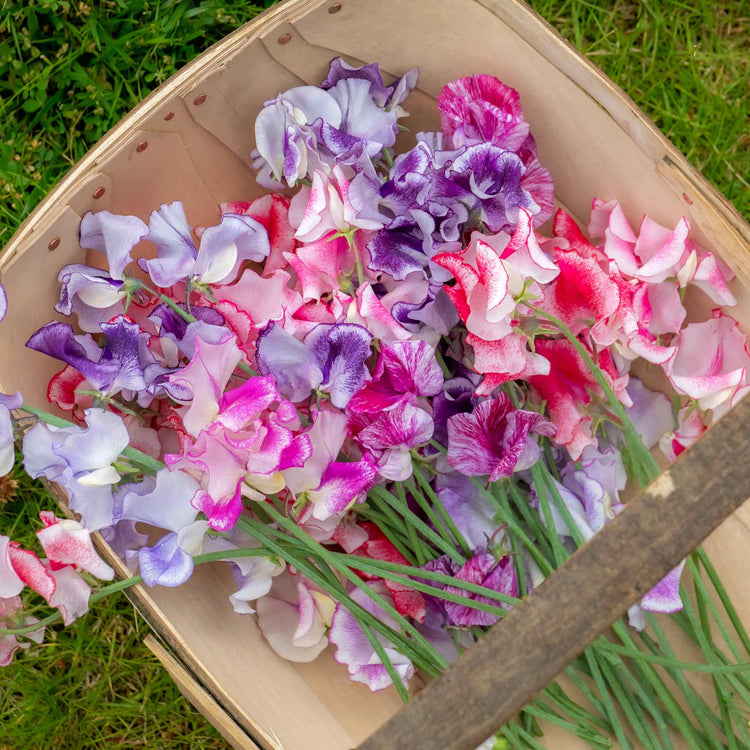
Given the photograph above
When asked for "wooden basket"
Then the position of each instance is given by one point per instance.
(191, 140)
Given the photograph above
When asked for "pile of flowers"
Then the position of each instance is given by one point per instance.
(388, 399)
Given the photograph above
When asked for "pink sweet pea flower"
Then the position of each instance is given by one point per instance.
(206, 376)
(294, 619)
(657, 253)
(495, 439)
(327, 208)
(320, 264)
(567, 390)
(9, 644)
(376, 546)
(66, 542)
(20, 567)
(507, 359)
(272, 211)
(711, 363)
(393, 434)
(690, 428)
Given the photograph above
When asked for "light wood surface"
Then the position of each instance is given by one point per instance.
(593, 139)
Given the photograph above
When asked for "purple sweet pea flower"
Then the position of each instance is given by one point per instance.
(483, 569)
(492, 177)
(125, 364)
(7, 437)
(664, 598)
(3, 303)
(384, 96)
(457, 397)
(495, 439)
(354, 649)
(81, 460)
(341, 350)
(223, 248)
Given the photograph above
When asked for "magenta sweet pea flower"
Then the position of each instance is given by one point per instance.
(484, 569)
(495, 439)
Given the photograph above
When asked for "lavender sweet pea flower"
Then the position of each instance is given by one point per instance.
(468, 507)
(162, 501)
(3, 303)
(354, 649)
(7, 437)
(170, 561)
(341, 350)
(495, 439)
(91, 294)
(171, 327)
(293, 365)
(81, 460)
(223, 248)
(287, 146)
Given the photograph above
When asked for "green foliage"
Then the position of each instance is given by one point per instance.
(69, 70)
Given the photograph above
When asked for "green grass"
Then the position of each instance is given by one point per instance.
(71, 70)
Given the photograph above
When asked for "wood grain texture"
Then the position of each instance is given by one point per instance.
(529, 647)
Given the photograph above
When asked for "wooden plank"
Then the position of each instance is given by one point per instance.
(200, 698)
(492, 681)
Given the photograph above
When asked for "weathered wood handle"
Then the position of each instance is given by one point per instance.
(493, 680)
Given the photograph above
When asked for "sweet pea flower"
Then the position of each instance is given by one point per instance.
(663, 598)
(125, 364)
(468, 507)
(326, 208)
(19, 568)
(567, 389)
(223, 248)
(657, 253)
(376, 546)
(690, 426)
(272, 211)
(66, 542)
(354, 649)
(7, 436)
(81, 460)
(393, 434)
(711, 363)
(9, 644)
(495, 439)
(93, 295)
(169, 562)
(483, 569)
(294, 618)
(482, 109)
(330, 485)
(403, 367)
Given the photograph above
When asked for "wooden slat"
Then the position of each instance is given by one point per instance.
(492, 681)
(200, 698)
